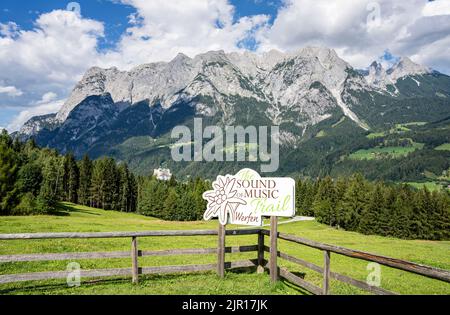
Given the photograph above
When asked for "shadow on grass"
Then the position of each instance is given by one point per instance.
(32, 288)
(65, 209)
(47, 288)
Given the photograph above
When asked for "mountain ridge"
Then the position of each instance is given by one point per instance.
(296, 91)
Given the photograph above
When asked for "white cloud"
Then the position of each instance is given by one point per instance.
(47, 104)
(360, 31)
(63, 45)
(10, 91)
(439, 7)
(52, 56)
(47, 98)
(161, 29)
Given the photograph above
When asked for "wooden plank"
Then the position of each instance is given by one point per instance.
(273, 249)
(296, 260)
(122, 234)
(97, 273)
(195, 268)
(301, 262)
(326, 272)
(63, 256)
(428, 271)
(199, 251)
(260, 253)
(300, 282)
(35, 276)
(241, 249)
(108, 255)
(243, 232)
(361, 284)
(346, 279)
(134, 261)
(221, 251)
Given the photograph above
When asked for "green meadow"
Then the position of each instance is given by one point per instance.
(443, 147)
(384, 152)
(83, 219)
(431, 186)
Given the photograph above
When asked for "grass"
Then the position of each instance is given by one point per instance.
(321, 134)
(375, 135)
(84, 219)
(385, 152)
(443, 147)
(399, 128)
(431, 186)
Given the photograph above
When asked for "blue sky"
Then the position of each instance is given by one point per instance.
(45, 49)
(113, 14)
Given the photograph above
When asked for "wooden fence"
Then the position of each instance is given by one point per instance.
(221, 265)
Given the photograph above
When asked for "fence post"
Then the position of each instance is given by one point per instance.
(134, 260)
(260, 268)
(326, 272)
(221, 251)
(273, 249)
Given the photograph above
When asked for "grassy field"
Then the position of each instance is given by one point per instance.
(384, 152)
(399, 128)
(431, 186)
(443, 147)
(83, 219)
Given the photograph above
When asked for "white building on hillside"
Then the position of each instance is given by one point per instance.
(162, 174)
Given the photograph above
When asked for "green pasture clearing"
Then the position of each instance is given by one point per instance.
(431, 186)
(398, 128)
(385, 152)
(83, 219)
(443, 147)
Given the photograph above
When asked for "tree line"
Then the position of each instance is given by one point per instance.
(35, 180)
(355, 204)
(172, 200)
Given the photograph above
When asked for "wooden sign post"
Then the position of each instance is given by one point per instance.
(221, 251)
(134, 260)
(273, 249)
(244, 199)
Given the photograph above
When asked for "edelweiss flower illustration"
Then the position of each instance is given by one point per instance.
(221, 199)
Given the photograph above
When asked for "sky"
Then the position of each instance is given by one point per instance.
(47, 45)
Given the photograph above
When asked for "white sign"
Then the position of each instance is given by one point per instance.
(246, 197)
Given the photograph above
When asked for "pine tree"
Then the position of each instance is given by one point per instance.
(9, 168)
(370, 216)
(30, 178)
(171, 206)
(146, 192)
(127, 189)
(340, 190)
(324, 202)
(71, 178)
(133, 193)
(84, 190)
(353, 203)
(441, 217)
(400, 217)
(48, 194)
(97, 184)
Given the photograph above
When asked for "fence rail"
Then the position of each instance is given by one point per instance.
(427, 271)
(221, 265)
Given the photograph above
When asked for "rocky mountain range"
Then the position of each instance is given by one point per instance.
(295, 91)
